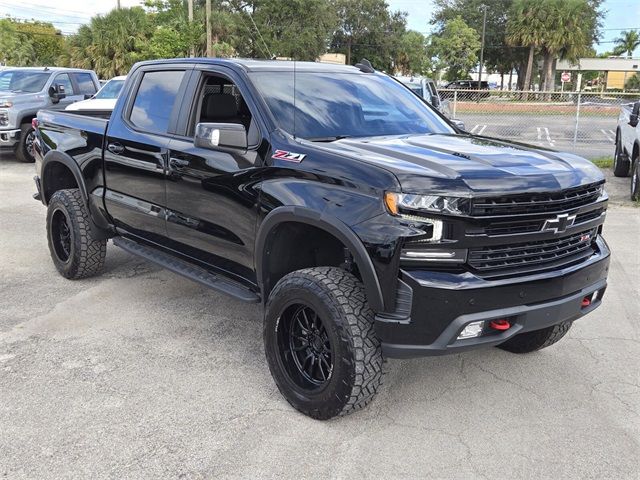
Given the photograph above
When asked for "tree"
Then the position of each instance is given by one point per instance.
(526, 27)
(498, 56)
(366, 29)
(411, 58)
(14, 48)
(627, 42)
(456, 47)
(112, 43)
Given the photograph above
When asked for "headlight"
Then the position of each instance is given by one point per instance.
(5, 103)
(427, 203)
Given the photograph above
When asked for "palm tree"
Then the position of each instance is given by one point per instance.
(527, 27)
(627, 42)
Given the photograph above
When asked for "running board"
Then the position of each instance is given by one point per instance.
(192, 272)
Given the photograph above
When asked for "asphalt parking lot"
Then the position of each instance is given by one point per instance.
(140, 373)
(595, 136)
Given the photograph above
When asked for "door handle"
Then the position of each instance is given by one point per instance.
(115, 148)
(178, 163)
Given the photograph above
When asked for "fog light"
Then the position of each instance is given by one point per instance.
(474, 329)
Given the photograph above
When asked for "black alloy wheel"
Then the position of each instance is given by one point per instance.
(61, 236)
(304, 347)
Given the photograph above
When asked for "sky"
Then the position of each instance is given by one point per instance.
(68, 15)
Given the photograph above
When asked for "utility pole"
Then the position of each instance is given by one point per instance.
(192, 52)
(208, 15)
(484, 28)
(118, 4)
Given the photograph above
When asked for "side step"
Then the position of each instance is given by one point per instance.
(192, 272)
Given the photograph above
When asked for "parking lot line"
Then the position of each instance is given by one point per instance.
(610, 135)
(479, 132)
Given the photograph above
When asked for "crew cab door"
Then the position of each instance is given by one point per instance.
(136, 150)
(211, 199)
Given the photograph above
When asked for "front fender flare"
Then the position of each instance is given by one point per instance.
(331, 225)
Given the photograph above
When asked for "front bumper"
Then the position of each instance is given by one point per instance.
(8, 138)
(443, 303)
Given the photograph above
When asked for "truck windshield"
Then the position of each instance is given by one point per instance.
(330, 106)
(110, 90)
(23, 81)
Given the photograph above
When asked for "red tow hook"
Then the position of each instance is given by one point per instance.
(586, 301)
(501, 324)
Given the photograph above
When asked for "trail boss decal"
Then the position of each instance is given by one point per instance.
(288, 156)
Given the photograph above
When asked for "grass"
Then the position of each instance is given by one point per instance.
(603, 162)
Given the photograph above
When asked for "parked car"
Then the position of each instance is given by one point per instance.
(465, 86)
(104, 100)
(424, 88)
(365, 224)
(626, 157)
(24, 91)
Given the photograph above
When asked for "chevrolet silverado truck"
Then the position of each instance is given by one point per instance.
(25, 90)
(627, 154)
(365, 224)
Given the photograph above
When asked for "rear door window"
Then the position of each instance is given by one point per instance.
(155, 99)
(85, 84)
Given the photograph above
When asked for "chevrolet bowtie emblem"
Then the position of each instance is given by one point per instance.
(559, 224)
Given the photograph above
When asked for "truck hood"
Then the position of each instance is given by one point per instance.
(467, 164)
(21, 98)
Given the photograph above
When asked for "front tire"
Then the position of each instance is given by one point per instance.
(320, 342)
(75, 251)
(635, 180)
(620, 160)
(536, 340)
(24, 149)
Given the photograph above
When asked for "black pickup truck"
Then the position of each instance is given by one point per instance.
(365, 223)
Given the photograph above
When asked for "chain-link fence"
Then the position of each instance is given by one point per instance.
(583, 123)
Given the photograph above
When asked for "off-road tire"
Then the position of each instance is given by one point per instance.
(22, 152)
(620, 160)
(338, 298)
(635, 180)
(536, 340)
(86, 254)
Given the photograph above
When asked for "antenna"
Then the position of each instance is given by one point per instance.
(294, 98)
(365, 66)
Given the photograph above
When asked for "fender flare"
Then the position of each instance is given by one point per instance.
(331, 225)
(54, 156)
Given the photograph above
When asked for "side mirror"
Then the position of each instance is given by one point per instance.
(635, 113)
(458, 123)
(221, 136)
(56, 92)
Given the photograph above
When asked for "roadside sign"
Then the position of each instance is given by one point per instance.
(565, 77)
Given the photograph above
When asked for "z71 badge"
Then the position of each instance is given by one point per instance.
(288, 156)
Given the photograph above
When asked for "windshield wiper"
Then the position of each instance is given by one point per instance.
(328, 139)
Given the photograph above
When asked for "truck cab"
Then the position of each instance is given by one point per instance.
(24, 91)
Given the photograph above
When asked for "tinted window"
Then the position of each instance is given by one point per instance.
(23, 81)
(85, 83)
(64, 80)
(154, 100)
(344, 104)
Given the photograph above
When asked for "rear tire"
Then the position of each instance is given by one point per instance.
(536, 340)
(24, 149)
(75, 252)
(620, 160)
(320, 342)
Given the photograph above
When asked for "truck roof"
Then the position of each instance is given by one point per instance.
(49, 69)
(251, 65)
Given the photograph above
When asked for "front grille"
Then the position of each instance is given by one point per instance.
(505, 259)
(536, 202)
(518, 227)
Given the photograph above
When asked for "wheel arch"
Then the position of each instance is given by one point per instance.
(332, 226)
(60, 171)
